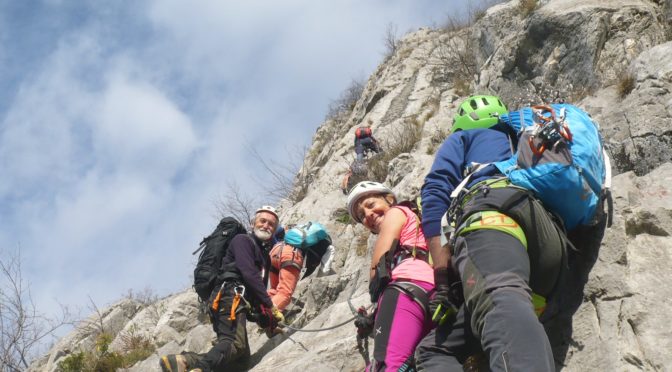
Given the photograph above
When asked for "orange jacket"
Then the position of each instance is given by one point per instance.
(286, 265)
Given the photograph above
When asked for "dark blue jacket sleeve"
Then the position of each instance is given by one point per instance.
(244, 252)
(458, 151)
(445, 174)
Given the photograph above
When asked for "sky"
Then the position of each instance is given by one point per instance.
(122, 121)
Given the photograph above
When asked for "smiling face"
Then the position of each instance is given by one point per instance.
(264, 225)
(371, 211)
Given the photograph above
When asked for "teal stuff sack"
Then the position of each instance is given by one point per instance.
(313, 240)
(306, 235)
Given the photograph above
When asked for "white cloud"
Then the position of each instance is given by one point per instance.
(137, 129)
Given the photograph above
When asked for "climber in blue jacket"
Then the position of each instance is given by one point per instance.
(492, 254)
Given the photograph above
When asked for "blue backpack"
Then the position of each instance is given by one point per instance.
(560, 157)
(313, 241)
(306, 235)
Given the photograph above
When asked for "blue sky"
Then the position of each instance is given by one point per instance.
(121, 121)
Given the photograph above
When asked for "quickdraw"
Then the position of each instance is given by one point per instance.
(215, 302)
(239, 292)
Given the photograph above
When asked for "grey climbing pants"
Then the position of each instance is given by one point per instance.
(497, 315)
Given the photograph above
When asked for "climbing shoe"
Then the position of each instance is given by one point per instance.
(173, 363)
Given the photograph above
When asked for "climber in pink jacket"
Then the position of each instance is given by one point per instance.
(401, 278)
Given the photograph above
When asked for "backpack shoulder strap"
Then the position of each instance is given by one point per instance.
(292, 262)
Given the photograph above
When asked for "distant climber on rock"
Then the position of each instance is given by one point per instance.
(401, 279)
(239, 289)
(498, 254)
(357, 172)
(306, 245)
(364, 141)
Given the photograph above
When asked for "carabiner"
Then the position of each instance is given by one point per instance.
(536, 150)
(239, 290)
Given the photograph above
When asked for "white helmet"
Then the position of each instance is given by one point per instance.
(269, 209)
(362, 189)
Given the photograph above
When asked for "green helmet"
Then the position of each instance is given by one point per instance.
(478, 112)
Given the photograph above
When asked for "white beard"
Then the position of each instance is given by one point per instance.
(262, 234)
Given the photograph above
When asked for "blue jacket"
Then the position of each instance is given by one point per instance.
(457, 152)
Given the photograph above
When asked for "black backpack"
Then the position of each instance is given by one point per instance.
(213, 249)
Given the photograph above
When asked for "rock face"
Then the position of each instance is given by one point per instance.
(610, 57)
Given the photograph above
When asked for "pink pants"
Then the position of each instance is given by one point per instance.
(400, 325)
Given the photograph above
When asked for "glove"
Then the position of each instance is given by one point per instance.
(364, 323)
(265, 318)
(277, 315)
(447, 298)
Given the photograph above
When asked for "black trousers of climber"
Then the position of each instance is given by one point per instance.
(366, 143)
(232, 345)
(498, 275)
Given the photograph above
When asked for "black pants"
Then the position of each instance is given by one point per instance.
(366, 143)
(232, 346)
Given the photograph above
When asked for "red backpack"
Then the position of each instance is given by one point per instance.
(363, 132)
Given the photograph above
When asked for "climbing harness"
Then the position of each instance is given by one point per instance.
(414, 291)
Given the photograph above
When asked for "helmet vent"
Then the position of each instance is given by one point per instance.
(473, 104)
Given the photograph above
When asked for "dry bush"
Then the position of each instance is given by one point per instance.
(458, 52)
(135, 346)
(302, 181)
(455, 62)
(428, 110)
(525, 7)
(23, 328)
(436, 140)
(345, 103)
(402, 140)
(478, 15)
(625, 85)
(145, 297)
(283, 180)
(362, 245)
(475, 11)
(391, 40)
(236, 203)
(462, 86)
